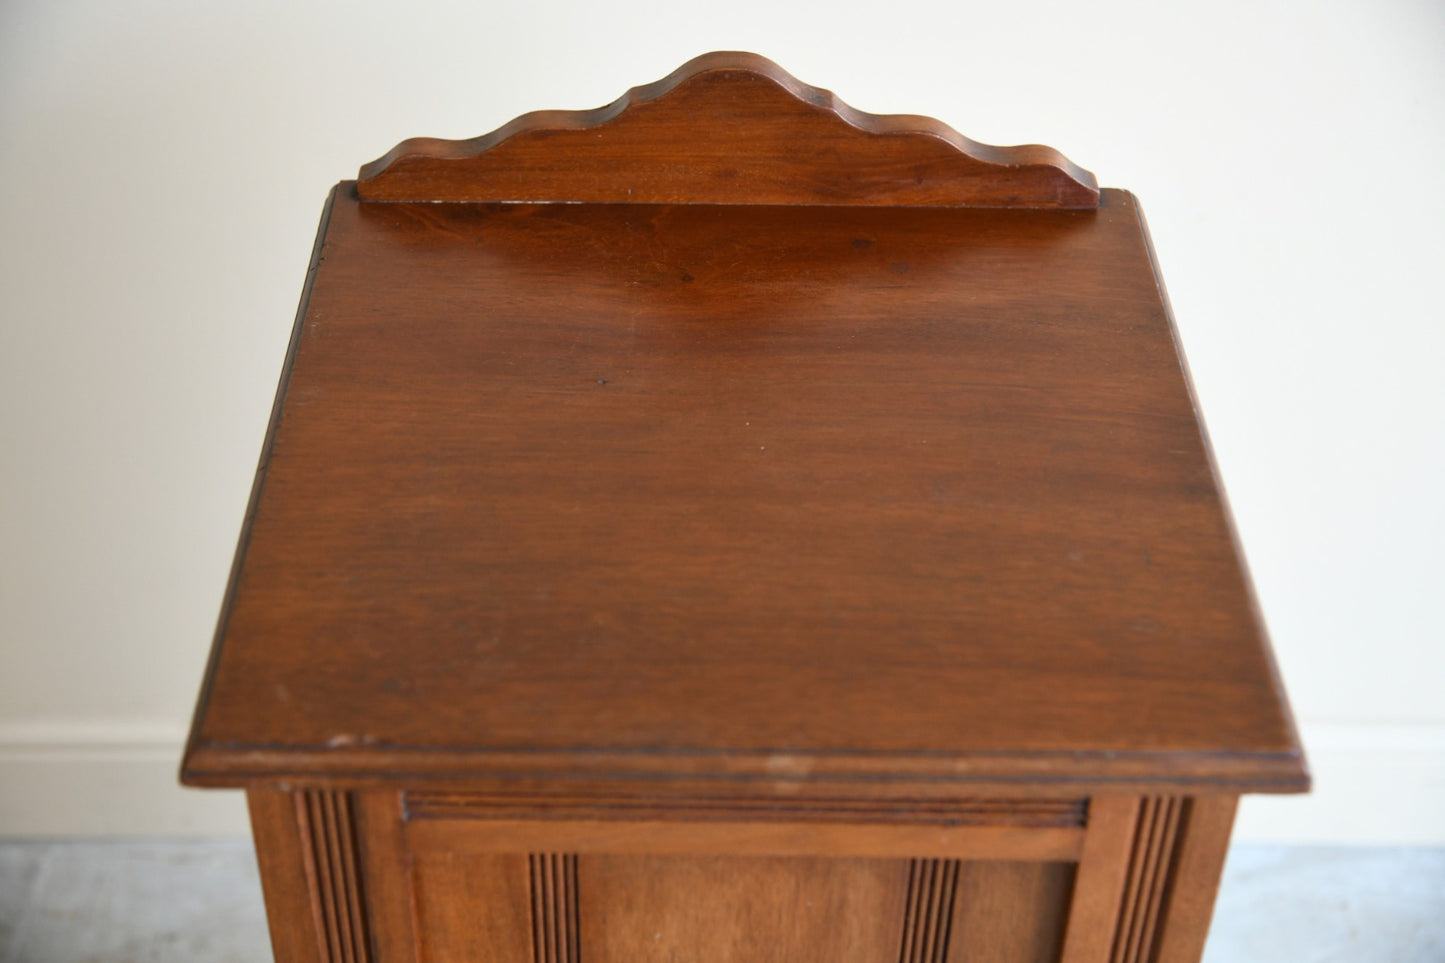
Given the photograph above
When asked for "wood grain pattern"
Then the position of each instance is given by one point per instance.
(977, 827)
(727, 128)
(386, 868)
(801, 838)
(282, 855)
(736, 527)
(1194, 880)
(307, 848)
(1147, 879)
(253, 501)
(1103, 869)
(1010, 912)
(964, 811)
(639, 494)
(472, 907)
(639, 909)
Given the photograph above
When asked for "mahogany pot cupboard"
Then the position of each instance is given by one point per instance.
(728, 526)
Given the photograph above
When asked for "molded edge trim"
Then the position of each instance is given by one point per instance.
(1073, 772)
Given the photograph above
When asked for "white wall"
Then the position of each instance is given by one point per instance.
(162, 165)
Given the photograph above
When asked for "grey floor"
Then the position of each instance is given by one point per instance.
(199, 902)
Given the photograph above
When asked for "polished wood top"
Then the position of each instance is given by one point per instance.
(896, 498)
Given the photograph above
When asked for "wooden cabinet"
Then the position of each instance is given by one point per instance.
(727, 526)
(450, 877)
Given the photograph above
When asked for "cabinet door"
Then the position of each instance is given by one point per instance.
(632, 908)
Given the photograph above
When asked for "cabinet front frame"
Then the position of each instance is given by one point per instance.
(341, 869)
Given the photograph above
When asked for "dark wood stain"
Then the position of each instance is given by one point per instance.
(728, 128)
(529, 490)
(726, 551)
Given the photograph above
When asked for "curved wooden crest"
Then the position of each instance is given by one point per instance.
(728, 128)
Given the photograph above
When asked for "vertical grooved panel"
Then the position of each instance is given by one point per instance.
(926, 923)
(1133, 884)
(333, 872)
(932, 884)
(910, 912)
(338, 851)
(946, 909)
(554, 908)
(1148, 877)
(359, 936)
(1127, 936)
(1168, 834)
(576, 915)
(925, 894)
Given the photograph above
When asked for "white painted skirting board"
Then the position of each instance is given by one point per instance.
(1374, 784)
(92, 779)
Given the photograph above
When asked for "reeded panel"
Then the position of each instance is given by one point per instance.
(564, 908)
(1150, 863)
(329, 834)
(985, 910)
(932, 884)
(555, 930)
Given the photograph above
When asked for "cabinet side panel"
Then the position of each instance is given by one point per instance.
(306, 847)
(1147, 880)
(1144, 889)
(1010, 912)
(1194, 880)
(472, 907)
(282, 855)
(722, 909)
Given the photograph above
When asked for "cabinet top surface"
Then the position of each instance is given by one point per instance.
(739, 492)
